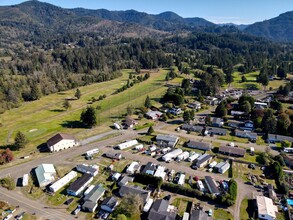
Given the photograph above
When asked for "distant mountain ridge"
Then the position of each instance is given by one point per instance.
(33, 19)
(279, 28)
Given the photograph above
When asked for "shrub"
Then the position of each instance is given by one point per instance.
(148, 179)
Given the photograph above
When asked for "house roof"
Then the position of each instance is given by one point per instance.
(232, 150)
(126, 179)
(159, 211)
(59, 137)
(79, 182)
(44, 172)
(129, 121)
(217, 120)
(245, 134)
(89, 205)
(217, 130)
(211, 185)
(84, 168)
(265, 206)
(199, 144)
(110, 202)
(280, 137)
(149, 166)
(124, 190)
(199, 215)
(167, 138)
(203, 158)
(95, 194)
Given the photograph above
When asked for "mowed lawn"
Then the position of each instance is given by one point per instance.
(41, 119)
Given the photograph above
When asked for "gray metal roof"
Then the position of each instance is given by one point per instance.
(77, 184)
(95, 194)
(199, 145)
(211, 185)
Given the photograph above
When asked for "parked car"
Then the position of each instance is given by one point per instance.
(105, 215)
(210, 212)
(77, 210)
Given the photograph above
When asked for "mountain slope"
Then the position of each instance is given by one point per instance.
(278, 29)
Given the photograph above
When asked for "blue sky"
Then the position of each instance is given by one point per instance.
(217, 11)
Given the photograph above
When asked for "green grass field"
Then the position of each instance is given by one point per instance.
(222, 214)
(41, 119)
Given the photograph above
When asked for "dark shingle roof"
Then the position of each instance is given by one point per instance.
(200, 145)
(211, 185)
(79, 182)
(232, 150)
(111, 202)
(59, 137)
(199, 215)
(159, 211)
(124, 190)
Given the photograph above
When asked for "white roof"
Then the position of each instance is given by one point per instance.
(265, 206)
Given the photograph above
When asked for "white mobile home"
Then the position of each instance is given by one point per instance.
(127, 144)
(171, 155)
(182, 156)
(92, 152)
(133, 167)
(224, 168)
(193, 157)
(25, 180)
(181, 180)
(63, 181)
(200, 185)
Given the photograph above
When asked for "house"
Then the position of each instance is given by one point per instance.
(127, 144)
(288, 160)
(252, 136)
(89, 206)
(90, 169)
(198, 214)
(149, 168)
(247, 126)
(63, 181)
(125, 180)
(161, 210)
(203, 160)
(95, 194)
(136, 190)
(260, 105)
(224, 167)
(109, 204)
(45, 174)
(154, 115)
(113, 155)
(79, 185)
(232, 151)
(116, 176)
(91, 199)
(175, 111)
(160, 172)
(167, 140)
(265, 207)
(195, 128)
(199, 145)
(133, 167)
(216, 131)
(237, 113)
(194, 105)
(271, 192)
(219, 165)
(61, 141)
(212, 101)
(217, 122)
(129, 122)
(24, 181)
(200, 185)
(273, 138)
(172, 155)
(212, 185)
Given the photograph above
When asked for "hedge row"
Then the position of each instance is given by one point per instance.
(148, 179)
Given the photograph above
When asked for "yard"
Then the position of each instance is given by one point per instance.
(41, 119)
(246, 209)
(221, 214)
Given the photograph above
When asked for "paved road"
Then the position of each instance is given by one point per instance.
(31, 206)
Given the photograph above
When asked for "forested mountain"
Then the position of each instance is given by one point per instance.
(278, 29)
(46, 49)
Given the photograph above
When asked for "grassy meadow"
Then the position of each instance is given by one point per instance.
(41, 119)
